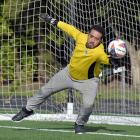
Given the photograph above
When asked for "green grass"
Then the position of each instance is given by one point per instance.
(35, 134)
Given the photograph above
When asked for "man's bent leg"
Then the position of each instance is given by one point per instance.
(57, 83)
(88, 91)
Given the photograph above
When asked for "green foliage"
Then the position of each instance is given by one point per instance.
(138, 17)
(4, 28)
(52, 37)
(7, 61)
(21, 43)
(60, 97)
(15, 8)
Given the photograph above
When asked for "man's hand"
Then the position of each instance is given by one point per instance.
(48, 19)
(114, 62)
(107, 72)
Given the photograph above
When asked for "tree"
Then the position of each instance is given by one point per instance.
(22, 33)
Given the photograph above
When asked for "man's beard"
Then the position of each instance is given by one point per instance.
(91, 45)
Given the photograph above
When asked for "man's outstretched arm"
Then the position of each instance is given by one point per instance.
(69, 29)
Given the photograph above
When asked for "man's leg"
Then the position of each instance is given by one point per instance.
(88, 89)
(58, 82)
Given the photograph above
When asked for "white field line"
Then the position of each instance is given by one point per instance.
(116, 120)
(69, 131)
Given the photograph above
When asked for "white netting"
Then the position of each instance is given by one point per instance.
(32, 51)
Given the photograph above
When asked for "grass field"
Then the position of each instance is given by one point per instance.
(43, 130)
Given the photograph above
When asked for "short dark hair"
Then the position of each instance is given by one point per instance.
(98, 28)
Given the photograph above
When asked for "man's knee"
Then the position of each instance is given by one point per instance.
(46, 90)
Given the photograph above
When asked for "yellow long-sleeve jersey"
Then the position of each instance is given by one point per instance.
(84, 62)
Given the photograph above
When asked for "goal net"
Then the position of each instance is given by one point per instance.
(32, 51)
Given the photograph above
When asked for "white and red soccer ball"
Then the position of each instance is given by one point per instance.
(117, 48)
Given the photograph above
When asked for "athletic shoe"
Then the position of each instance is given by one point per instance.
(79, 129)
(22, 114)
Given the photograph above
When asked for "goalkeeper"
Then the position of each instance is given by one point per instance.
(81, 73)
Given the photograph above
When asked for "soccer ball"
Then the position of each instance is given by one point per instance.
(117, 48)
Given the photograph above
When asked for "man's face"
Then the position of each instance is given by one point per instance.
(94, 39)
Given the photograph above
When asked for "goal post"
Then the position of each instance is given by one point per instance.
(32, 51)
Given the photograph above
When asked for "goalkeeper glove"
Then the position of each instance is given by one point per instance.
(107, 76)
(48, 19)
(107, 72)
(114, 62)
